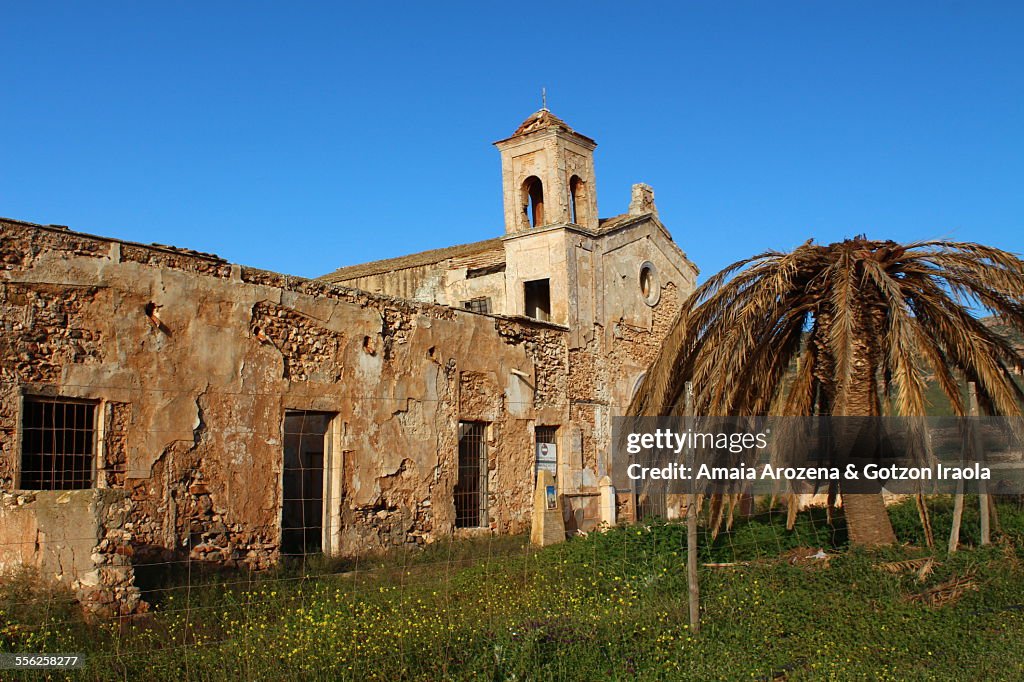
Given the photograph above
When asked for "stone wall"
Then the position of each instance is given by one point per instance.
(192, 363)
(76, 538)
(420, 283)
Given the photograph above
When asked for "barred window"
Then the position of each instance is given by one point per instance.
(471, 488)
(58, 444)
(477, 305)
(547, 434)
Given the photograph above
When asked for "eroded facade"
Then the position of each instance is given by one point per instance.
(227, 414)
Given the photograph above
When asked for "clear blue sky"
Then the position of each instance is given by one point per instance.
(301, 139)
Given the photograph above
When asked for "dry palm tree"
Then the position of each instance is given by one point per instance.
(869, 322)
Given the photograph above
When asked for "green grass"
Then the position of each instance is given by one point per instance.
(608, 606)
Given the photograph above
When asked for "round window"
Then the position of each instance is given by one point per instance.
(649, 288)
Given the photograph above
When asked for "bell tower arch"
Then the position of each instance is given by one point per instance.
(547, 171)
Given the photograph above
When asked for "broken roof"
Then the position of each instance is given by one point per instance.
(540, 120)
(609, 224)
(544, 120)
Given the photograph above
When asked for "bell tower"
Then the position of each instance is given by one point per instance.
(547, 172)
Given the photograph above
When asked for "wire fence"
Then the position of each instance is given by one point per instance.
(612, 601)
(471, 604)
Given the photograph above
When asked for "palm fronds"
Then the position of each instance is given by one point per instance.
(845, 329)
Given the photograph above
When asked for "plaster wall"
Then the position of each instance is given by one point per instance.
(193, 362)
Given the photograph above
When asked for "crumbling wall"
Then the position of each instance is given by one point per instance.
(193, 363)
(639, 346)
(548, 350)
(77, 538)
(45, 328)
(115, 444)
(628, 330)
(8, 432)
(308, 349)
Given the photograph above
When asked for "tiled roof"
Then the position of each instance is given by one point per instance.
(608, 224)
(413, 260)
(474, 255)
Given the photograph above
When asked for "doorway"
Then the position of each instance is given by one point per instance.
(302, 478)
(471, 485)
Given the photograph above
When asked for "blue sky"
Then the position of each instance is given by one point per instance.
(300, 139)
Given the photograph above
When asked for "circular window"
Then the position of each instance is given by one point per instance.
(649, 288)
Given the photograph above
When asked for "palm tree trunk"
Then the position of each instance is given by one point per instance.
(867, 521)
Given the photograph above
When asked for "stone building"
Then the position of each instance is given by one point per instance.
(160, 404)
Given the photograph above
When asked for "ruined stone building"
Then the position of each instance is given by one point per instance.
(158, 403)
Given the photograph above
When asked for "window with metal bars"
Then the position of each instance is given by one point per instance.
(477, 305)
(58, 444)
(471, 487)
(547, 434)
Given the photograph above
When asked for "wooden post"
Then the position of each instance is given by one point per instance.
(691, 527)
(976, 451)
(958, 496)
(958, 514)
(994, 514)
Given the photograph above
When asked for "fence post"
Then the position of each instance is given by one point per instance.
(978, 456)
(691, 526)
(958, 496)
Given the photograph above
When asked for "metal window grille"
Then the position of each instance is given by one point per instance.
(477, 305)
(302, 495)
(547, 434)
(58, 444)
(471, 488)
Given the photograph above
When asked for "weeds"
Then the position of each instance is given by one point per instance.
(611, 605)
